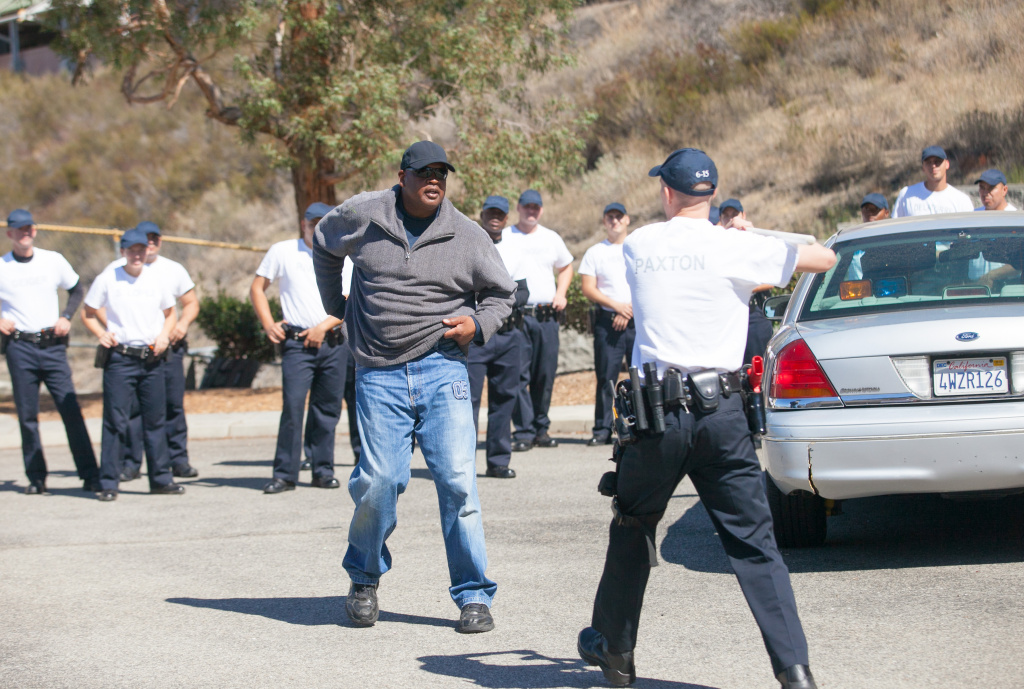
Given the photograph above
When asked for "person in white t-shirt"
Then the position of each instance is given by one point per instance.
(34, 338)
(500, 358)
(690, 283)
(139, 318)
(181, 286)
(545, 254)
(312, 358)
(934, 194)
(992, 190)
(603, 278)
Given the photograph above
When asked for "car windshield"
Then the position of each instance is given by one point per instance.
(920, 270)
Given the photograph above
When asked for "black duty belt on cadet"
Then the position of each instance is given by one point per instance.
(143, 352)
(515, 320)
(544, 312)
(42, 339)
(332, 337)
(180, 345)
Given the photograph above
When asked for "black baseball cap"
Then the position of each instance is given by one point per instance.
(498, 202)
(991, 177)
(422, 154)
(686, 168)
(731, 203)
(530, 196)
(317, 210)
(615, 207)
(933, 151)
(876, 200)
(147, 227)
(19, 218)
(134, 236)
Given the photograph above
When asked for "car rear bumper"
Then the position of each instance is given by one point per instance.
(852, 453)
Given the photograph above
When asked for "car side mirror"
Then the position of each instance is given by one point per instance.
(775, 307)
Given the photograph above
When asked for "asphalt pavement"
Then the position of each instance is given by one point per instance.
(227, 587)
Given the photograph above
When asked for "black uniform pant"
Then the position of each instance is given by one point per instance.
(536, 379)
(610, 346)
(174, 423)
(350, 403)
(500, 360)
(29, 366)
(320, 373)
(759, 331)
(715, 451)
(127, 379)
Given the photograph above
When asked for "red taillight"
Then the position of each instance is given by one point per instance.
(798, 375)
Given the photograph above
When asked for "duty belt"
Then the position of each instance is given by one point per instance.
(143, 352)
(544, 312)
(514, 321)
(42, 339)
(332, 337)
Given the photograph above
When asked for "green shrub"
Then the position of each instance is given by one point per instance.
(757, 42)
(577, 311)
(233, 325)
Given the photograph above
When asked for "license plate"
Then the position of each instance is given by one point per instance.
(969, 376)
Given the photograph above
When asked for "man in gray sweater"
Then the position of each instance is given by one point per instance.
(427, 282)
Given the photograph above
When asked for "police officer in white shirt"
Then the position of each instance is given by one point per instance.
(934, 194)
(545, 253)
(139, 312)
(992, 190)
(690, 283)
(500, 358)
(603, 278)
(180, 284)
(34, 335)
(312, 358)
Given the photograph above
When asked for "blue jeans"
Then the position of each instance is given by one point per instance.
(427, 399)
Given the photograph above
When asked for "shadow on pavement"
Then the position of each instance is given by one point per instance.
(247, 463)
(887, 532)
(308, 612)
(220, 482)
(421, 473)
(525, 668)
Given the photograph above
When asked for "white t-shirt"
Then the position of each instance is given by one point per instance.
(543, 252)
(134, 305)
(513, 259)
(691, 282)
(28, 291)
(604, 262)
(1009, 207)
(174, 275)
(291, 262)
(917, 200)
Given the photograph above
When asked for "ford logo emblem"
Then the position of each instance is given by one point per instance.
(967, 337)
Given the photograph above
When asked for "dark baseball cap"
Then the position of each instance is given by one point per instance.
(686, 168)
(714, 215)
(731, 203)
(424, 153)
(498, 202)
(19, 218)
(317, 210)
(615, 207)
(134, 236)
(876, 200)
(147, 227)
(933, 151)
(530, 196)
(991, 177)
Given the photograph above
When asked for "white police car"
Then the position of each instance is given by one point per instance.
(901, 370)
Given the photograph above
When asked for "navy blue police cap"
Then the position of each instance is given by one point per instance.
(933, 151)
(317, 210)
(731, 203)
(991, 177)
(148, 227)
(714, 215)
(685, 169)
(19, 218)
(530, 196)
(497, 202)
(424, 153)
(615, 207)
(876, 200)
(132, 237)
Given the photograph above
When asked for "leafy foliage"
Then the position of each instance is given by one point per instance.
(233, 325)
(578, 308)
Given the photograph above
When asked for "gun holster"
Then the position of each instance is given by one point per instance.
(705, 387)
(102, 356)
(4, 340)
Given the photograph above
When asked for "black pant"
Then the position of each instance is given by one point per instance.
(715, 451)
(500, 360)
(350, 403)
(610, 346)
(174, 423)
(320, 373)
(759, 331)
(536, 379)
(29, 366)
(126, 379)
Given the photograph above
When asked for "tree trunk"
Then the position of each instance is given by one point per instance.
(309, 179)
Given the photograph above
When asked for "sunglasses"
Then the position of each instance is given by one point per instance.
(438, 173)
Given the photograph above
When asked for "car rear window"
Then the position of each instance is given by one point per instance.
(920, 270)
